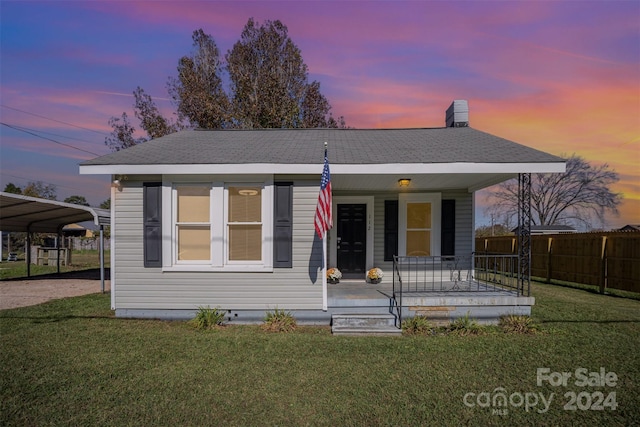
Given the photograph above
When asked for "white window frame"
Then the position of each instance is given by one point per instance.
(436, 221)
(265, 248)
(219, 214)
(175, 223)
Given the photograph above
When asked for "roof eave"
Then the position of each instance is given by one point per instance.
(343, 169)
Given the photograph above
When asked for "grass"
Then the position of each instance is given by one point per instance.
(593, 288)
(80, 260)
(70, 362)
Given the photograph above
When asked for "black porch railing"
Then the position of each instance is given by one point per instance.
(454, 274)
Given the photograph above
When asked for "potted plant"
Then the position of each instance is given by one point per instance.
(334, 275)
(374, 275)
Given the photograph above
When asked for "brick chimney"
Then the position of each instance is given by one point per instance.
(458, 114)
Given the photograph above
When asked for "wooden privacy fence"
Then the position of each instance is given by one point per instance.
(607, 259)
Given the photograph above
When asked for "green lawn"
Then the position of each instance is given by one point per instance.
(70, 362)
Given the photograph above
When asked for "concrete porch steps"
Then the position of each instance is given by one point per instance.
(364, 324)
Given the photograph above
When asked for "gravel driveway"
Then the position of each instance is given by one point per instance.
(38, 289)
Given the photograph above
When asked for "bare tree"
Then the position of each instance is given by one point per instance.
(121, 136)
(579, 196)
(150, 118)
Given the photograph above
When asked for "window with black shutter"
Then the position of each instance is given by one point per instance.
(390, 229)
(152, 224)
(448, 232)
(283, 225)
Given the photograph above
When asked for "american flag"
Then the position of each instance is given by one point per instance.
(323, 220)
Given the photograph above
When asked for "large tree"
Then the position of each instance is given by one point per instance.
(269, 81)
(268, 88)
(579, 196)
(197, 92)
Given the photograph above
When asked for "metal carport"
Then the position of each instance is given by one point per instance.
(20, 213)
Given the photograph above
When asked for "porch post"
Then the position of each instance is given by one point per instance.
(324, 273)
(524, 233)
(102, 258)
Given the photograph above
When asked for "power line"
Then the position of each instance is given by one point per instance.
(50, 133)
(53, 120)
(48, 139)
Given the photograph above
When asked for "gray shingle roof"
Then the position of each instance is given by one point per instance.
(346, 146)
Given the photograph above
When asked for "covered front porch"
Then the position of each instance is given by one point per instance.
(481, 286)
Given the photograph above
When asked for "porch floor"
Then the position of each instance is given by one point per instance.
(359, 289)
(358, 293)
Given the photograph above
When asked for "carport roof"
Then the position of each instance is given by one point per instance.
(24, 213)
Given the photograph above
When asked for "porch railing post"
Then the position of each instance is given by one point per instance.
(524, 233)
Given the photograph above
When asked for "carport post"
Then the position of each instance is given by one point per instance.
(28, 253)
(58, 248)
(102, 257)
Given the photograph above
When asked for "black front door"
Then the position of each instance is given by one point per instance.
(352, 239)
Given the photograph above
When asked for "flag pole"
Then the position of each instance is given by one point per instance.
(324, 257)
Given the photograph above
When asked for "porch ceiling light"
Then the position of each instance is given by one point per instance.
(404, 182)
(248, 192)
(117, 182)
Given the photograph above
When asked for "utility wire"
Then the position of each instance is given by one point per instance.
(53, 120)
(50, 133)
(48, 139)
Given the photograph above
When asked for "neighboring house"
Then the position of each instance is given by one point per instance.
(630, 227)
(77, 230)
(549, 229)
(84, 236)
(225, 218)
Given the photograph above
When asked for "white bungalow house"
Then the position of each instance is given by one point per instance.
(225, 218)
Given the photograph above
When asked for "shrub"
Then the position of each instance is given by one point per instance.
(208, 318)
(465, 326)
(518, 324)
(279, 321)
(417, 325)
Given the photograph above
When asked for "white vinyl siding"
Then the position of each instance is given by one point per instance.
(298, 287)
(464, 224)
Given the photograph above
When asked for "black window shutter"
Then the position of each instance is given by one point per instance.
(390, 229)
(448, 232)
(283, 225)
(152, 224)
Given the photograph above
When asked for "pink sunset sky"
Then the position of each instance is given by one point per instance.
(559, 76)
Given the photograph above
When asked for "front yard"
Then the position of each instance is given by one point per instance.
(70, 362)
